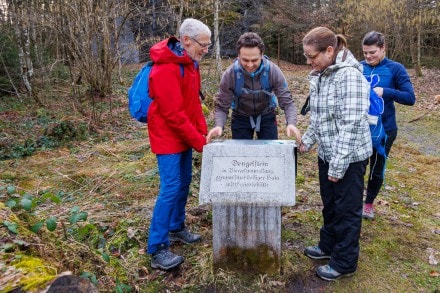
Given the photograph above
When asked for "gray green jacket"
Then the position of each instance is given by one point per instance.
(253, 104)
(339, 101)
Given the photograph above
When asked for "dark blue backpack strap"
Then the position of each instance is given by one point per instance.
(265, 83)
(239, 78)
(182, 72)
(239, 83)
(264, 76)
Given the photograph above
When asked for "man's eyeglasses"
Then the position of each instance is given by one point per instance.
(203, 46)
(311, 57)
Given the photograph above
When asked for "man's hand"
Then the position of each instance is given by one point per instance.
(333, 179)
(216, 131)
(292, 130)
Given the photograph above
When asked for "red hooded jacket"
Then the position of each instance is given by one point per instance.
(175, 118)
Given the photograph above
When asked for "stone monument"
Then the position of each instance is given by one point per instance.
(247, 182)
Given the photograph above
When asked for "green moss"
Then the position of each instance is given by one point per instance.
(290, 234)
(36, 273)
(8, 175)
(300, 179)
(252, 261)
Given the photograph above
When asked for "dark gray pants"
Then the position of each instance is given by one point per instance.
(342, 213)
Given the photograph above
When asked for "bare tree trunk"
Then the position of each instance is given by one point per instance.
(21, 20)
(418, 68)
(295, 58)
(218, 61)
(23, 43)
(415, 45)
(279, 50)
(9, 76)
(153, 22)
(179, 17)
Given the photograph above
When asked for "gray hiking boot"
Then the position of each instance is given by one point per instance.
(327, 273)
(315, 252)
(164, 259)
(184, 236)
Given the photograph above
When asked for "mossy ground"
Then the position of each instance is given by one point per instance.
(113, 178)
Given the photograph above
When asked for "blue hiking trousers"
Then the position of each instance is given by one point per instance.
(175, 171)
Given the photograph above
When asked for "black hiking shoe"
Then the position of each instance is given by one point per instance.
(164, 259)
(184, 236)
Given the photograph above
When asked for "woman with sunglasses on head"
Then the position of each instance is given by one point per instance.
(339, 101)
(394, 86)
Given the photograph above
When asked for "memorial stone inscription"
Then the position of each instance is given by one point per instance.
(255, 174)
(248, 172)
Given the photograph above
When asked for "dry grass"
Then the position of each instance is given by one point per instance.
(115, 181)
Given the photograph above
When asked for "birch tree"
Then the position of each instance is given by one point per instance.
(20, 22)
(217, 54)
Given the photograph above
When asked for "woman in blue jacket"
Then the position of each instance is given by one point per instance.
(394, 86)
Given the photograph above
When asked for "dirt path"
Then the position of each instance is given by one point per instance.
(423, 134)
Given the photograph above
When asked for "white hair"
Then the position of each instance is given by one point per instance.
(192, 28)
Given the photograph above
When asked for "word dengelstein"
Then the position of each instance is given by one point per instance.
(253, 163)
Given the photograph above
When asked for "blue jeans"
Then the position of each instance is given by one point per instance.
(242, 129)
(175, 171)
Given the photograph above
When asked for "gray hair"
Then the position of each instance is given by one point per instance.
(192, 28)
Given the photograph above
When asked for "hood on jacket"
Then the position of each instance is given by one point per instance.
(344, 58)
(169, 51)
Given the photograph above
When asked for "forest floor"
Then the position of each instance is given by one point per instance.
(91, 200)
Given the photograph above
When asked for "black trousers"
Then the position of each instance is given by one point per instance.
(342, 213)
(377, 168)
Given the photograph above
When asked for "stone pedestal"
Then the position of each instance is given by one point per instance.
(247, 182)
(247, 239)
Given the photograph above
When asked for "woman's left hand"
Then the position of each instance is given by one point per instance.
(333, 179)
(378, 91)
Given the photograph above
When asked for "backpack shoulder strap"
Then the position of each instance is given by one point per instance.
(264, 77)
(182, 72)
(239, 78)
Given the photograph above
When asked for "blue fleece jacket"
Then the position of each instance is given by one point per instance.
(396, 85)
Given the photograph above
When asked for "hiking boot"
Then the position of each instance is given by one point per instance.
(329, 274)
(165, 260)
(368, 211)
(184, 236)
(315, 252)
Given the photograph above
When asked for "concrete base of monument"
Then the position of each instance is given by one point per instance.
(247, 239)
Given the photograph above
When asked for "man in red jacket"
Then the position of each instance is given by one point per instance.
(176, 125)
